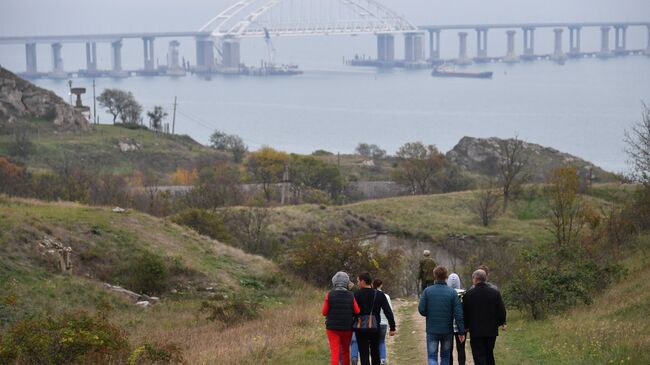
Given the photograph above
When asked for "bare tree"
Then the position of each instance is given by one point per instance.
(513, 161)
(566, 218)
(486, 205)
(638, 147)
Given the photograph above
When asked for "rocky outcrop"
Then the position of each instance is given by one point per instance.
(481, 156)
(22, 100)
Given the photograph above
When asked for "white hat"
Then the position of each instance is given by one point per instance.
(426, 253)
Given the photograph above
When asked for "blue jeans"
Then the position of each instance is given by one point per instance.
(445, 348)
(382, 341)
(354, 348)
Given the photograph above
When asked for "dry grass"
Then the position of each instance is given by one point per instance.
(295, 326)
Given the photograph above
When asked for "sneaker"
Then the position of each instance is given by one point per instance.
(353, 362)
(383, 362)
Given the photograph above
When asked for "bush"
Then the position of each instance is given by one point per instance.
(230, 309)
(209, 224)
(147, 273)
(76, 338)
(156, 354)
(316, 257)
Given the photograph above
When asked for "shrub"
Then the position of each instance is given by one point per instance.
(316, 257)
(209, 224)
(230, 309)
(156, 354)
(76, 338)
(147, 273)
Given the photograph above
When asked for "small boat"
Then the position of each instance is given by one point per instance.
(445, 71)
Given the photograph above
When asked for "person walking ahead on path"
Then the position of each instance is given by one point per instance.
(339, 309)
(484, 313)
(441, 306)
(454, 282)
(427, 264)
(371, 301)
(383, 325)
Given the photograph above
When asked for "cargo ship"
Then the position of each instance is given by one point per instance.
(445, 71)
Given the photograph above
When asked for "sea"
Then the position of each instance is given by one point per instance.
(583, 107)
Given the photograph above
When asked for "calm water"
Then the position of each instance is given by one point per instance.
(582, 107)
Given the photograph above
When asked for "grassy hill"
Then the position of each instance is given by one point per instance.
(110, 247)
(111, 149)
(614, 329)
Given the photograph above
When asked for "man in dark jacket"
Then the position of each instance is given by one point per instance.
(441, 305)
(371, 301)
(484, 312)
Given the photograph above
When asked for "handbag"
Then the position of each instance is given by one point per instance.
(366, 322)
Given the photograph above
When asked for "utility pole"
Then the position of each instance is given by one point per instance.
(70, 90)
(174, 117)
(285, 185)
(94, 103)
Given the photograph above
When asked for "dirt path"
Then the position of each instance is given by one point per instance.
(408, 346)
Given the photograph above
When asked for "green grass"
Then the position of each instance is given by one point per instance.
(612, 330)
(27, 274)
(98, 150)
(409, 338)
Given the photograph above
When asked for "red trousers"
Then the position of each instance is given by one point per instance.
(340, 346)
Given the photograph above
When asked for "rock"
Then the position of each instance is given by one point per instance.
(481, 156)
(143, 304)
(368, 163)
(118, 210)
(54, 247)
(127, 146)
(22, 100)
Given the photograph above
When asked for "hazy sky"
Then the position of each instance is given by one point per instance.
(33, 17)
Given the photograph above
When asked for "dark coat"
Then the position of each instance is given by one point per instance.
(364, 299)
(484, 311)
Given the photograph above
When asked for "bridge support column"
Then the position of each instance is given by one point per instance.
(558, 54)
(204, 55)
(621, 39)
(174, 60)
(462, 49)
(510, 56)
(414, 47)
(57, 62)
(647, 49)
(574, 42)
(30, 58)
(434, 46)
(481, 45)
(385, 47)
(91, 57)
(604, 43)
(149, 63)
(116, 59)
(529, 44)
(231, 57)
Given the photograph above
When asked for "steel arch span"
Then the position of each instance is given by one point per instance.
(252, 18)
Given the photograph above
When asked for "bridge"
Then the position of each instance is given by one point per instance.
(218, 41)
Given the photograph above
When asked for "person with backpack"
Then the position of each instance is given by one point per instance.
(367, 324)
(339, 309)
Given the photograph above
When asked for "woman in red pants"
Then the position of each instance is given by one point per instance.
(339, 309)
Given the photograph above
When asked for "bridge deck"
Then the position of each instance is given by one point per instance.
(117, 36)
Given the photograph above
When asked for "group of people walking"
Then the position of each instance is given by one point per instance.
(365, 315)
(358, 322)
